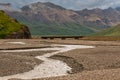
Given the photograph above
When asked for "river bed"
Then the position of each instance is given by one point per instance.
(49, 67)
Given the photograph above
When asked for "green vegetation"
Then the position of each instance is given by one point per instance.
(8, 25)
(54, 28)
(114, 31)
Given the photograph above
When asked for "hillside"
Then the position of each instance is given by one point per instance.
(50, 19)
(114, 31)
(10, 28)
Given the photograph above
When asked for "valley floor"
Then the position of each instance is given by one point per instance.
(100, 63)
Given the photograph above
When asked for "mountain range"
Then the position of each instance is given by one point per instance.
(50, 19)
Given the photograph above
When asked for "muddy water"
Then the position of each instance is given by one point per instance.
(49, 67)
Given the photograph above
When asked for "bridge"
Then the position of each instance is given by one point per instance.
(61, 37)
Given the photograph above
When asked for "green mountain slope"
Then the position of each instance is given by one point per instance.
(54, 28)
(114, 31)
(9, 26)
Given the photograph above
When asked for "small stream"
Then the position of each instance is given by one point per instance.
(49, 67)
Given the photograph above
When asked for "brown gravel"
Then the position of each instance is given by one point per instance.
(101, 63)
(83, 42)
(95, 59)
(111, 74)
(19, 62)
(13, 63)
(30, 44)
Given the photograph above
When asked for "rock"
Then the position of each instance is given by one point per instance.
(24, 33)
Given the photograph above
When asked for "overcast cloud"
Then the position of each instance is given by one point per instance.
(70, 4)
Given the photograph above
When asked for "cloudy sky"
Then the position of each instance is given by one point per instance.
(70, 4)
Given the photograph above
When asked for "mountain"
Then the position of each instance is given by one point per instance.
(117, 8)
(100, 18)
(16, 4)
(50, 19)
(114, 31)
(5, 6)
(10, 28)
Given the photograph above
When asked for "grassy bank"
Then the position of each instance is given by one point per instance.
(8, 25)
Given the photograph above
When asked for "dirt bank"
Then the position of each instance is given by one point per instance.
(98, 58)
(76, 67)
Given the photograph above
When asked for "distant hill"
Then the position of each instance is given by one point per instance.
(50, 19)
(114, 31)
(10, 28)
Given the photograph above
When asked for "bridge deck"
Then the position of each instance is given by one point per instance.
(61, 37)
